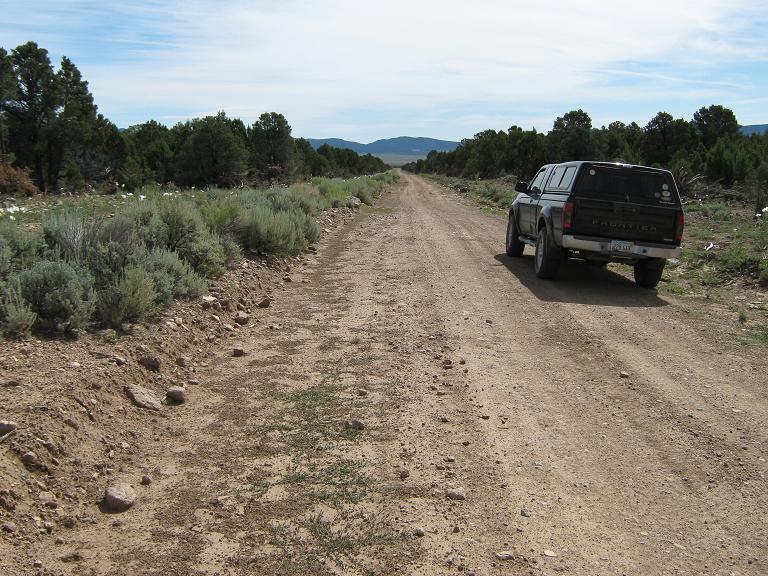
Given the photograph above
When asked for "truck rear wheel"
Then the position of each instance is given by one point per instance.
(514, 246)
(548, 256)
(648, 272)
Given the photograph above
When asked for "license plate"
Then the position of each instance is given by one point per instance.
(621, 246)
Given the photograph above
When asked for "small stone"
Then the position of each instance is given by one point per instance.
(525, 512)
(75, 556)
(176, 395)
(49, 527)
(362, 392)
(485, 416)
(73, 365)
(72, 423)
(242, 318)
(462, 361)
(119, 497)
(505, 555)
(228, 327)
(550, 554)
(238, 351)
(48, 499)
(184, 361)
(142, 397)
(403, 473)
(150, 362)
(6, 427)
(208, 301)
(287, 278)
(146, 480)
(9, 527)
(624, 374)
(31, 460)
(38, 564)
(119, 360)
(354, 424)
(450, 459)
(265, 302)
(456, 494)
(193, 382)
(419, 532)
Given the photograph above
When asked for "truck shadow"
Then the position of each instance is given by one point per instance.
(581, 283)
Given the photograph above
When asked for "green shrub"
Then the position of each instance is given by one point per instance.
(172, 276)
(763, 279)
(178, 226)
(130, 298)
(233, 253)
(19, 248)
(71, 234)
(17, 313)
(714, 210)
(60, 295)
(281, 233)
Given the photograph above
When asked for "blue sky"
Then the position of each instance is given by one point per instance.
(443, 68)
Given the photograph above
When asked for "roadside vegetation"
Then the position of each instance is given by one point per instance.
(116, 260)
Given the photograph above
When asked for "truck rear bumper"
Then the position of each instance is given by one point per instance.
(603, 246)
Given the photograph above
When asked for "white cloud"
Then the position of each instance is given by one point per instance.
(312, 59)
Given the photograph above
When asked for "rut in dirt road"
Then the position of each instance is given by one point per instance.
(416, 360)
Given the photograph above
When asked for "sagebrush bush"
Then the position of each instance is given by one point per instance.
(61, 295)
(129, 299)
(18, 316)
(172, 276)
(16, 181)
(71, 234)
(763, 278)
(178, 225)
(19, 248)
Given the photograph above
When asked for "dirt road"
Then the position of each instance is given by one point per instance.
(416, 360)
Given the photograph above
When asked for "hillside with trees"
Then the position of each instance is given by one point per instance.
(709, 145)
(53, 138)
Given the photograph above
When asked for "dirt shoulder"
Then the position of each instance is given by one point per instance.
(414, 402)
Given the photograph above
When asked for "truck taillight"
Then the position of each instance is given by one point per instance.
(680, 224)
(568, 217)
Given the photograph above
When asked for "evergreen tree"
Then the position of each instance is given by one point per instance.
(31, 113)
(713, 123)
(271, 145)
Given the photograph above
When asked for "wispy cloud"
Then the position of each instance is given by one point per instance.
(448, 68)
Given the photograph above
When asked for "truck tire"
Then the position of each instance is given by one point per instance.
(648, 272)
(514, 246)
(548, 256)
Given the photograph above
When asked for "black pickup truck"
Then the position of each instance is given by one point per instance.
(599, 212)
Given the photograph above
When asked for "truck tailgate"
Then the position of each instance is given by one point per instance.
(624, 221)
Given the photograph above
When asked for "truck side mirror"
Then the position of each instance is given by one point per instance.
(521, 187)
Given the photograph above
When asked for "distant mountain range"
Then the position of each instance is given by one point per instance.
(394, 151)
(399, 151)
(754, 129)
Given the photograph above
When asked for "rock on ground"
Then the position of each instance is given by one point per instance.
(150, 362)
(142, 397)
(456, 494)
(119, 497)
(6, 426)
(176, 394)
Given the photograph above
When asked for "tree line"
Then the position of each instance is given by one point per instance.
(710, 145)
(51, 129)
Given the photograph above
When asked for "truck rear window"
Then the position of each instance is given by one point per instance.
(627, 185)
